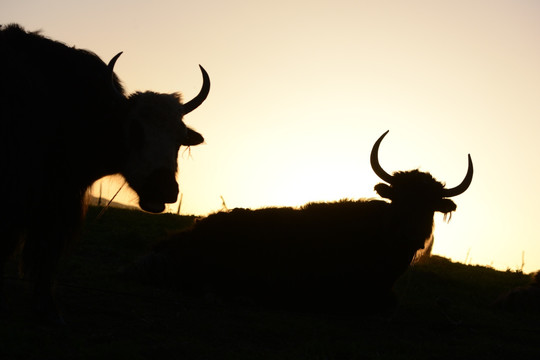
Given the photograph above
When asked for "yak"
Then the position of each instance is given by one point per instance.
(522, 298)
(66, 122)
(343, 255)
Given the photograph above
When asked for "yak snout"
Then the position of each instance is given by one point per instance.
(160, 188)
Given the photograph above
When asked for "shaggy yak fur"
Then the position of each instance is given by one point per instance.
(324, 256)
(66, 122)
(522, 298)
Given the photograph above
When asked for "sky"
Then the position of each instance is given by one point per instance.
(302, 89)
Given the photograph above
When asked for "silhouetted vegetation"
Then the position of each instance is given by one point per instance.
(445, 312)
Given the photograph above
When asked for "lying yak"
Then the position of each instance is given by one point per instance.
(522, 298)
(67, 122)
(322, 256)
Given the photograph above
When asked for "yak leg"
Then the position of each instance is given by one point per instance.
(9, 241)
(45, 307)
(42, 254)
(3, 305)
(55, 230)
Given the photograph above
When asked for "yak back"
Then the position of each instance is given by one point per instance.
(329, 251)
(56, 103)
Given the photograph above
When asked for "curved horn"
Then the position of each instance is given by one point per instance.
(464, 184)
(375, 161)
(198, 100)
(110, 66)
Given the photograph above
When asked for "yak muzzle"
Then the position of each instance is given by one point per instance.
(160, 188)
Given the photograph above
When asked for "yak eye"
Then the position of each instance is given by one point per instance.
(181, 135)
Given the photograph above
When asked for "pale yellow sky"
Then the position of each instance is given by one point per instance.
(302, 89)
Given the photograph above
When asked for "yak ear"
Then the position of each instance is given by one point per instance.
(384, 191)
(446, 206)
(192, 138)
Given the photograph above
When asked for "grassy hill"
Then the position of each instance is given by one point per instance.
(445, 312)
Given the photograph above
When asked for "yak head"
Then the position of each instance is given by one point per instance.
(154, 134)
(415, 188)
(416, 195)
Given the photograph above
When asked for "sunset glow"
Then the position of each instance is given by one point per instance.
(302, 89)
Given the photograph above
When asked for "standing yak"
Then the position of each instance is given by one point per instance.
(67, 122)
(335, 256)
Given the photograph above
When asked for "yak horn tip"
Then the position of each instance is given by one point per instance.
(203, 93)
(205, 74)
(470, 161)
(113, 60)
(383, 135)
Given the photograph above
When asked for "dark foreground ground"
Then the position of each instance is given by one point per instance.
(445, 312)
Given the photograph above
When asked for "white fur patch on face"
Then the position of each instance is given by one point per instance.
(160, 146)
(159, 118)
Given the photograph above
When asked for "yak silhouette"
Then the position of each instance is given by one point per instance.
(335, 256)
(67, 122)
